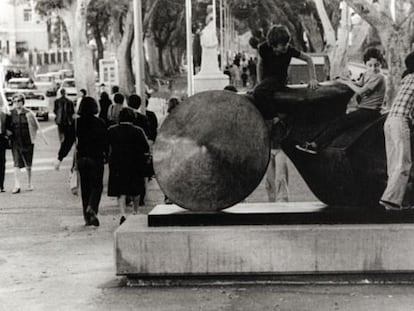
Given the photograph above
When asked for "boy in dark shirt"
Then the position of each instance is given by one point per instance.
(272, 68)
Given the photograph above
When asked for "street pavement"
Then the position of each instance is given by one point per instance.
(50, 261)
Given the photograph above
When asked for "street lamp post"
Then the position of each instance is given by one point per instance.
(139, 52)
(221, 36)
(189, 42)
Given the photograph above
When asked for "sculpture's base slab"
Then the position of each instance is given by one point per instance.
(274, 214)
(204, 82)
(143, 251)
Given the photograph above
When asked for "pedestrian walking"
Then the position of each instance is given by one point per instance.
(4, 140)
(24, 128)
(104, 103)
(115, 108)
(140, 120)
(82, 94)
(92, 150)
(152, 136)
(398, 140)
(64, 110)
(128, 148)
(277, 174)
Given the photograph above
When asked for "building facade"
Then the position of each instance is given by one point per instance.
(21, 28)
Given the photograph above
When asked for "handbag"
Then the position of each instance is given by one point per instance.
(74, 178)
(74, 181)
(6, 141)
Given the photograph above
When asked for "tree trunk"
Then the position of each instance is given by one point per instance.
(152, 57)
(99, 45)
(360, 34)
(327, 26)
(339, 56)
(123, 43)
(75, 20)
(160, 58)
(310, 25)
(396, 49)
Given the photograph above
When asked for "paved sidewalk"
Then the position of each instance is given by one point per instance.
(50, 261)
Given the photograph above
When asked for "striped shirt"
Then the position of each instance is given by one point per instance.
(403, 103)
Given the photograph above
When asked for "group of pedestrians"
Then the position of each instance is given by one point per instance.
(242, 71)
(114, 132)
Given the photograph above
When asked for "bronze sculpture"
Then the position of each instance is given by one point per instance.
(350, 172)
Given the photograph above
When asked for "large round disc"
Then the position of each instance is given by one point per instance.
(212, 151)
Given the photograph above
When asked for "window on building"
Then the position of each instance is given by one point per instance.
(27, 15)
(21, 47)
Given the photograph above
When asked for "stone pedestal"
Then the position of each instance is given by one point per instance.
(207, 82)
(146, 251)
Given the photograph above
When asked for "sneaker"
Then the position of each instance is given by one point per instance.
(121, 221)
(307, 147)
(389, 206)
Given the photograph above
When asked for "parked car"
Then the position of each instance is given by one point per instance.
(70, 87)
(66, 73)
(35, 99)
(19, 85)
(39, 104)
(48, 83)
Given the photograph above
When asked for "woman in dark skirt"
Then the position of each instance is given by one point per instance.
(128, 146)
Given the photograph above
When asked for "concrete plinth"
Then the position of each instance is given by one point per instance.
(273, 249)
(208, 82)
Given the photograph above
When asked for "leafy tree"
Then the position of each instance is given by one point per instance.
(98, 19)
(167, 15)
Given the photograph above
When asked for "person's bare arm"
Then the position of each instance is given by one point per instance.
(313, 82)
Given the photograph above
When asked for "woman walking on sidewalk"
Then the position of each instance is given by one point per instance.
(4, 115)
(24, 127)
(92, 150)
(128, 146)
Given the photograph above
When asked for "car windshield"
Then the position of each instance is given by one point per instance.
(70, 83)
(18, 84)
(44, 79)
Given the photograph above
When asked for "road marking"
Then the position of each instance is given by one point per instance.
(42, 168)
(40, 161)
(49, 128)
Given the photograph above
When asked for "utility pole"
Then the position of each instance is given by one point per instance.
(222, 58)
(139, 53)
(189, 42)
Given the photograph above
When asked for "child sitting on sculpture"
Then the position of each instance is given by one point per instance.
(371, 87)
(274, 57)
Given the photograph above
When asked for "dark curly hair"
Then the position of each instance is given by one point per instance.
(373, 53)
(134, 101)
(409, 64)
(126, 115)
(88, 107)
(278, 34)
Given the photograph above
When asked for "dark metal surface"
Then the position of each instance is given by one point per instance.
(212, 151)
